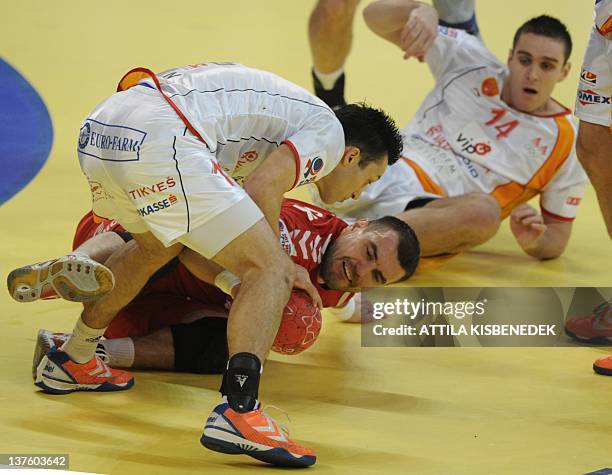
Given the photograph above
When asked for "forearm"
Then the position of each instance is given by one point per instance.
(269, 202)
(204, 269)
(550, 245)
(386, 18)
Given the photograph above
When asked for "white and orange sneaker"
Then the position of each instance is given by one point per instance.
(255, 434)
(603, 366)
(58, 374)
(595, 328)
(74, 277)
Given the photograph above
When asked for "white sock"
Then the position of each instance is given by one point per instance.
(81, 345)
(328, 79)
(120, 352)
(454, 11)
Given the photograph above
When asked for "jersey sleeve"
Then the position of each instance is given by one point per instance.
(455, 49)
(561, 197)
(317, 147)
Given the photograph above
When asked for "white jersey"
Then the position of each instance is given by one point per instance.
(594, 97)
(243, 114)
(464, 139)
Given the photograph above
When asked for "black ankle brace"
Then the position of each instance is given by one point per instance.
(241, 381)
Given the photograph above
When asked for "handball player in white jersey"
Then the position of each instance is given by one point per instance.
(485, 140)
(594, 109)
(166, 157)
(594, 148)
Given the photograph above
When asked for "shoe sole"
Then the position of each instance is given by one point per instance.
(54, 386)
(75, 280)
(595, 340)
(600, 370)
(232, 444)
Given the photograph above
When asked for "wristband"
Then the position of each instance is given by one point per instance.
(226, 281)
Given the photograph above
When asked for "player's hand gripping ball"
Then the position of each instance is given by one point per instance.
(300, 325)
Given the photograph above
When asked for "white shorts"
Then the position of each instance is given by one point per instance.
(146, 171)
(388, 196)
(593, 103)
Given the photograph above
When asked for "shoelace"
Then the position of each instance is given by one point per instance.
(102, 354)
(283, 427)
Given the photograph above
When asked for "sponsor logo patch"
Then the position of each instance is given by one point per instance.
(115, 143)
(142, 191)
(573, 200)
(588, 96)
(313, 167)
(588, 77)
(489, 87)
(97, 191)
(158, 206)
(446, 31)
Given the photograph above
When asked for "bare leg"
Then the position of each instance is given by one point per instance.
(451, 225)
(132, 265)
(267, 276)
(593, 150)
(330, 31)
(101, 247)
(154, 351)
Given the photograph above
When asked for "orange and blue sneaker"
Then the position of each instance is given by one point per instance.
(603, 366)
(253, 433)
(74, 277)
(595, 328)
(58, 374)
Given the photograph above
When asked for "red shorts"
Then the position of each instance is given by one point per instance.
(167, 299)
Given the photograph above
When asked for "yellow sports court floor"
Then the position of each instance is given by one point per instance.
(364, 410)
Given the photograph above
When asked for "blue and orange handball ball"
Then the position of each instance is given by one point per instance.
(300, 325)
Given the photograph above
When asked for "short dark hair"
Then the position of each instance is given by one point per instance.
(371, 130)
(548, 26)
(408, 249)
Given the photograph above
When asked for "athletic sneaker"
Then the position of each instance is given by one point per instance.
(58, 374)
(334, 97)
(595, 328)
(255, 434)
(74, 277)
(46, 340)
(603, 366)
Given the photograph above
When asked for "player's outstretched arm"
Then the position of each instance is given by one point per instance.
(540, 236)
(412, 26)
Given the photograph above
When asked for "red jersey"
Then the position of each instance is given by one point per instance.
(305, 233)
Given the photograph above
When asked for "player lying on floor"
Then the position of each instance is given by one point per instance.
(339, 258)
(486, 127)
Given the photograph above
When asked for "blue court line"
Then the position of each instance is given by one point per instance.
(26, 132)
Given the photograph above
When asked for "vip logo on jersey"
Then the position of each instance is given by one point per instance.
(587, 96)
(489, 87)
(573, 200)
(470, 146)
(146, 190)
(97, 139)
(158, 206)
(588, 77)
